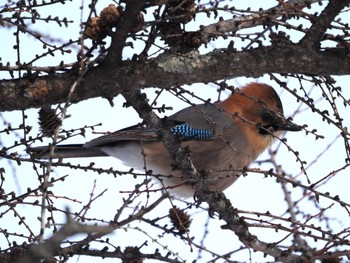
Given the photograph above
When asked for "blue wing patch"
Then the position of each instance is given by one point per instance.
(189, 133)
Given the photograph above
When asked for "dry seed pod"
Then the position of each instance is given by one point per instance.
(132, 255)
(192, 39)
(180, 220)
(48, 120)
(93, 29)
(109, 16)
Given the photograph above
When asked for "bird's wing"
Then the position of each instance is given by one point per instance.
(204, 118)
(200, 122)
(132, 133)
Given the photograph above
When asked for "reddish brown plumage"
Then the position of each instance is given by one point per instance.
(247, 100)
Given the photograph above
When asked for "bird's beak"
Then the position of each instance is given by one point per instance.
(288, 125)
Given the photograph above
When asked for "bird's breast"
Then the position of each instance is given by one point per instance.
(219, 160)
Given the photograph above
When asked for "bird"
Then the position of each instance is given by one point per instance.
(221, 138)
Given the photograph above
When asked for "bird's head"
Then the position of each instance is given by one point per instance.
(259, 111)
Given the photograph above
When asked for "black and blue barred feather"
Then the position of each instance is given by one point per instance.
(189, 133)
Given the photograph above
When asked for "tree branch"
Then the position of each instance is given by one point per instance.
(321, 23)
(257, 19)
(171, 69)
(114, 56)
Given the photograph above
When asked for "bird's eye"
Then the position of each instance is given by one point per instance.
(267, 117)
(268, 123)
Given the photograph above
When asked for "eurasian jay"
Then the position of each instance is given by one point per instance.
(222, 138)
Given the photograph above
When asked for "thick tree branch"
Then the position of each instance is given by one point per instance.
(321, 23)
(171, 69)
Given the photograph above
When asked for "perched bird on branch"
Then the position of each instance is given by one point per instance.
(221, 138)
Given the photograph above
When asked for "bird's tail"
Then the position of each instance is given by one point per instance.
(66, 151)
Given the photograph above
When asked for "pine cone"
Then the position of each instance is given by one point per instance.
(48, 120)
